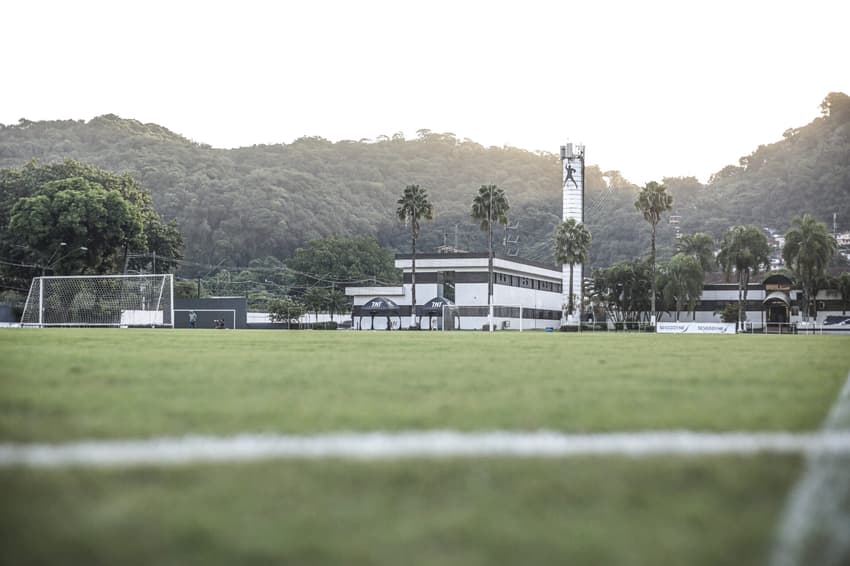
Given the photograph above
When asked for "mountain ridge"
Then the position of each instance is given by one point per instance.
(269, 199)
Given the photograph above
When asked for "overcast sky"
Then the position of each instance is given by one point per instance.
(652, 88)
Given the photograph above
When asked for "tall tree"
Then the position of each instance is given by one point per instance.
(682, 281)
(653, 201)
(699, 246)
(490, 205)
(414, 206)
(315, 299)
(286, 310)
(744, 250)
(808, 249)
(341, 260)
(572, 242)
(337, 302)
(624, 287)
(75, 206)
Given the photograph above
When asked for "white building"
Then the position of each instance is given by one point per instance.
(526, 294)
(775, 304)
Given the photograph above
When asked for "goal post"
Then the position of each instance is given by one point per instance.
(504, 317)
(100, 300)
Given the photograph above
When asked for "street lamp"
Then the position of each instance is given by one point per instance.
(51, 263)
(50, 259)
(490, 261)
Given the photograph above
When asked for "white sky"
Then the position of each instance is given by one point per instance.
(653, 88)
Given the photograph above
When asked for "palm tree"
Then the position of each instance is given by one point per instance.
(682, 282)
(808, 249)
(744, 250)
(413, 207)
(572, 245)
(653, 201)
(699, 246)
(315, 300)
(337, 302)
(489, 205)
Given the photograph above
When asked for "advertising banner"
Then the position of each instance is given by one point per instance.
(695, 328)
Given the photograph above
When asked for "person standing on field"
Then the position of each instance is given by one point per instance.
(193, 319)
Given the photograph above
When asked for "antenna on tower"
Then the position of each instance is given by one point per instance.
(511, 241)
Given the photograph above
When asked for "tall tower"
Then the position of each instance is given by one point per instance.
(572, 177)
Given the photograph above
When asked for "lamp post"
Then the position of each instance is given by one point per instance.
(490, 261)
(51, 263)
(50, 259)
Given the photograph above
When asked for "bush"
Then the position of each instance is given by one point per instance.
(729, 313)
(585, 327)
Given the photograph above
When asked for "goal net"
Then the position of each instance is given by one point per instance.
(100, 300)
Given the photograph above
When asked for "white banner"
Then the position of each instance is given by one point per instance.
(695, 328)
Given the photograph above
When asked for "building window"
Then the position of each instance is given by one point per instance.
(446, 284)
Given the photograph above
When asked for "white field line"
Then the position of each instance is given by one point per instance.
(435, 444)
(815, 526)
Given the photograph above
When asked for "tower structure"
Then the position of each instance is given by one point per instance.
(572, 177)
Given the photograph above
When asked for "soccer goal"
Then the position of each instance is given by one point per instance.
(504, 317)
(101, 300)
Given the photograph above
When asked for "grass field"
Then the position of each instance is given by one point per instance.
(67, 385)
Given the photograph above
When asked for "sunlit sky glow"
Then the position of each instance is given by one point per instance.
(652, 88)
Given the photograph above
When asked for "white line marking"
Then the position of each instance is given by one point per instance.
(434, 444)
(815, 526)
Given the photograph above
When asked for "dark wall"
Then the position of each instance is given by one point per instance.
(211, 309)
(7, 315)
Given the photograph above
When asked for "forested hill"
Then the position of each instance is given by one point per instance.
(807, 171)
(236, 205)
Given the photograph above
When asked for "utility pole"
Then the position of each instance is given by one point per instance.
(490, 261)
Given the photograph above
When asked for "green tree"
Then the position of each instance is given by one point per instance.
(286, 310)
(681, 282)
(77, 213)
(653, 201)
(836, 105)
(699, 246)
(572, 245)
(337, 302)
(315, 300)
(343, 261)
(808, 249)
(744, 250)
(72, 205)
(413, 207)
(624, 289)
(490, 205)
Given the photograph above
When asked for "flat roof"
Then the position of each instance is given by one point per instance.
(481, 255)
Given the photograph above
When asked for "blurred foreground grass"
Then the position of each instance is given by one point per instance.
(612, 511)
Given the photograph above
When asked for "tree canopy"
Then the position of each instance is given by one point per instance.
(72, 218)
(334, 261)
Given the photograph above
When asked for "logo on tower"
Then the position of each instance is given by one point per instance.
(569, 170)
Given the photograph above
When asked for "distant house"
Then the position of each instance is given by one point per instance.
(772, 303)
